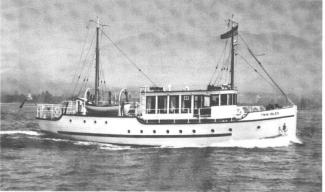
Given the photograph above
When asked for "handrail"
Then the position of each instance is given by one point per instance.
(53, 111)
(176, 110)
(166, 111)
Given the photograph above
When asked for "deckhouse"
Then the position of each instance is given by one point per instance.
(166, 117)
(158, 103)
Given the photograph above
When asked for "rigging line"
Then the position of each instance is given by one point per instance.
(251, 52)
(228, 71)
(104, 79)
(220, 72)
(243, 58)
(81, 54)
(83, 65)
(84, 85)
(220, 77)
(124, 54)
(216, 68)
(226, 62)
(223, 69)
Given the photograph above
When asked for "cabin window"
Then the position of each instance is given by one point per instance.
(206, 101)
(214, 100)
(162, 104)
(224, 99)
(234, 99)
(186, 104)
(229, 99)
(198, 101)
(173, 104)
(151, 104)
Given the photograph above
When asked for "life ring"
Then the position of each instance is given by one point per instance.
(239, 112)
(57, 112)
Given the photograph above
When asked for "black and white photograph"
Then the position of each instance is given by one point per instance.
(161, 95)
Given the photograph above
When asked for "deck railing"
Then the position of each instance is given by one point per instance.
(49, 111)
(200, 112)
(54, 111)
(249, 109)
(170, 111)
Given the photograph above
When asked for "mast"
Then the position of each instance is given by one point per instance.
(97, 64)
(232, 62)
(231, 34)
(234, 31)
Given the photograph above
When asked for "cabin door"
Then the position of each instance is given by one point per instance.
(202, 105)
(198, 103)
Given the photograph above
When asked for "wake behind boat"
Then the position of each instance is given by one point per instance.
(166, 117)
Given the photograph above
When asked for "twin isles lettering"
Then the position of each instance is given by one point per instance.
(270, 114)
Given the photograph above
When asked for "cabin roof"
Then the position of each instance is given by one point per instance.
(190, 92)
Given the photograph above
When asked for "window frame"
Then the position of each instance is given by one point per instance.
(225, 101)
(164, 109)
(187, 109)
(176, 110)
(234, 97)
(217, 103)
(229, 99)
(149, 109)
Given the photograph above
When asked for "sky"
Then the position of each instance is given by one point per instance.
(175, 42)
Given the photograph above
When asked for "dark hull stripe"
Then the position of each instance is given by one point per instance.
(142, 136)
(178, 123)
(211, 122)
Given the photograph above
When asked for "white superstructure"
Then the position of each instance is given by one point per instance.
(170, 117)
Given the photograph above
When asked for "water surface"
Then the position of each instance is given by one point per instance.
(31, 160)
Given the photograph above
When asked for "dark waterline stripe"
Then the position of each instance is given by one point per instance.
(142, 136)
(141, 120)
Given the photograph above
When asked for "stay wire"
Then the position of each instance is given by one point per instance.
(83, 66)
(244, 59)
(216, 68)
(220, 76)
(86, 77)
(269, 76)
(81, 54)
(124, 54)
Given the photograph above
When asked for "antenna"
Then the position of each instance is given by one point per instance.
(97, 22)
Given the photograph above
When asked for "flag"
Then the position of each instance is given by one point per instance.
(228, 34)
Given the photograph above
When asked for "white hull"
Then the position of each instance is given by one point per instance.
(127, 130)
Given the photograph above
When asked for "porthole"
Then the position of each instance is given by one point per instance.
(105, 122)
(70, 120)
(84, 121)
(95, 122)
(167, 131)
(230, 129)
(212, 130)
(129, 131)
(258, 127)
(180, 131)
(193, 131)
(154, 131)
(141, 131)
